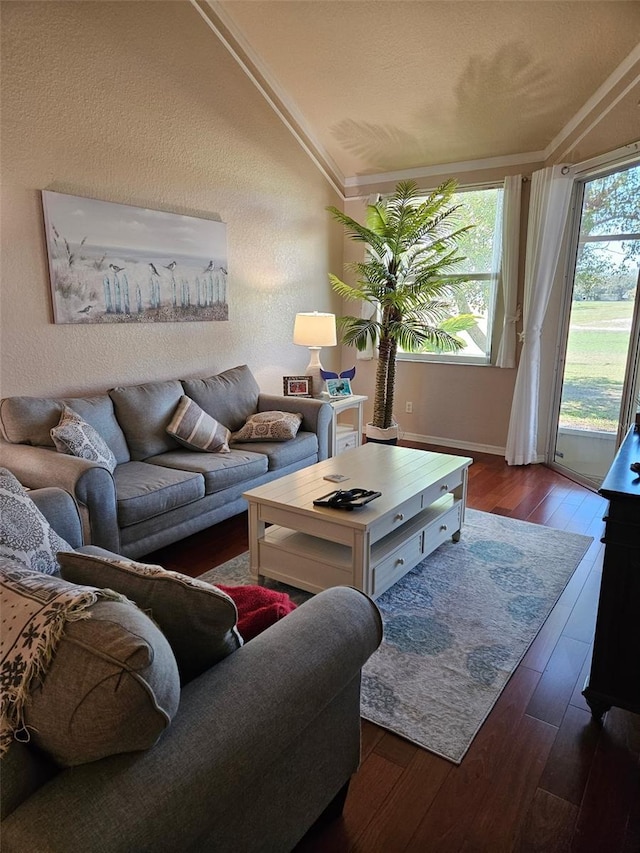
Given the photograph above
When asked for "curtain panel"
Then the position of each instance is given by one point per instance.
(508, 275)
(548, 208)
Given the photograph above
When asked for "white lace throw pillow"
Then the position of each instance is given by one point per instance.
(76, 437)
(269, 426)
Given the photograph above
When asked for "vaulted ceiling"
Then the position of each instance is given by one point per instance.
(376, 87)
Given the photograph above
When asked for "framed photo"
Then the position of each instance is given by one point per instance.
(297, 386)
(339, 387)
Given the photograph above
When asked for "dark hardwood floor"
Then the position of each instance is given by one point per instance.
(540, 775)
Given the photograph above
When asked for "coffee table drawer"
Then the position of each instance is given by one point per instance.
(441, 487)
(400, 515)
(393, 567)
(442, 529)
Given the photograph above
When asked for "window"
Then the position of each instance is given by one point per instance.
(477, 295)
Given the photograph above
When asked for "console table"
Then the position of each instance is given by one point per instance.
(613, 679)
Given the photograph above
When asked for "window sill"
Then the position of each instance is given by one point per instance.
(477, 361)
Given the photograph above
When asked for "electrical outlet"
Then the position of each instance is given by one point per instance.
(408, 407)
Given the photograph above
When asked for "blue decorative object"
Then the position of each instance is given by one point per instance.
(346, 374)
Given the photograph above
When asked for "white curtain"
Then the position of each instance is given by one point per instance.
(548, 207)
(508, 276)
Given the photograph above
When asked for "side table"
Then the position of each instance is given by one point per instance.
(346, 434)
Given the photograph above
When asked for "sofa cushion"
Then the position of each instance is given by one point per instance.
(230, 397)
(220, 471)
(29, 420)
(144, 413)
(198, 620)
(281, 454)
(96, 676)
(99, 412)
(269, 426)
(24, 770)
(197, 430)
(113, 686)
(144, 491)
(25, 534)
(76, 437)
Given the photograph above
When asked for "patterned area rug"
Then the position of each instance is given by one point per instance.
(456, 627)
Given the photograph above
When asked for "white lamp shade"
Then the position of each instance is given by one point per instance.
(314, 329)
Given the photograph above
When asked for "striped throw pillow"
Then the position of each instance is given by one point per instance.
(197, 430)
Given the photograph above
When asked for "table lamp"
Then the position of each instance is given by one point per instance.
(315, 330)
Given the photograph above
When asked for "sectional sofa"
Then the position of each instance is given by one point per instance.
(159, 491)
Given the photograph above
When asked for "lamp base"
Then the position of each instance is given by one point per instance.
(313, 370)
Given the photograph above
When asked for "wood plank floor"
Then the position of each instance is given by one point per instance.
(540, 775)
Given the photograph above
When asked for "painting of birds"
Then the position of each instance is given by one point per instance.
(171, 266)
(85, 310)
(154, 271)
(115, 268)
(209, 268)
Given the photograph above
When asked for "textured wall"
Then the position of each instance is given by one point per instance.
(139, 103)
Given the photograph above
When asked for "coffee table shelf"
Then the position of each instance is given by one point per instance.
(331, 563)
(422, 505)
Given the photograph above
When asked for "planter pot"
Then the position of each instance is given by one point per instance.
(382, 436)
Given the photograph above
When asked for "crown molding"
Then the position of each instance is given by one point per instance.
(626, 66)
(220, 23)
(507, 160)
(226, 30)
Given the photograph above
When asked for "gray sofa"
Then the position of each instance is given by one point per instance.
(159, 492)
(262, 746)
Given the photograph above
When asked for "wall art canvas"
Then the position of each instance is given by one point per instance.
(114, 263)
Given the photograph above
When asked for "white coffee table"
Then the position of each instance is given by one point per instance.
(313, 548)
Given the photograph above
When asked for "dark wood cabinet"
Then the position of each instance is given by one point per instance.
(615, 667)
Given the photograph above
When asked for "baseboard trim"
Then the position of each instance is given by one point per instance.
(451, 442)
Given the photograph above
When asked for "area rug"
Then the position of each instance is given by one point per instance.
(456, 627)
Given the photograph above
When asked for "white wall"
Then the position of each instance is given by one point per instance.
(139, 103)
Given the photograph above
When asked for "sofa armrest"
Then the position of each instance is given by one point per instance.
(258, 706)
(90, 484)
(61, 511)
(316, 416)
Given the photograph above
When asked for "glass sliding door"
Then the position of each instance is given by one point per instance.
(598, 396)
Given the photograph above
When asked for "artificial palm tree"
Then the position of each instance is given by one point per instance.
(406, 278)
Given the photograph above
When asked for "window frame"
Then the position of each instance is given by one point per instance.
(494, 315)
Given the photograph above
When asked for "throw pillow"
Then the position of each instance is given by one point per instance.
(198, 620)
(197, 430)
(75, 437)
(91, 675)
(25, 534)
(269, 426)
(258, 607)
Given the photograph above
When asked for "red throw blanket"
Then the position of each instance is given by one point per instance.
(258, 607)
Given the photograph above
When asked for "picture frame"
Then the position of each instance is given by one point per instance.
(116, 263)
(339, 387)
(297, 386)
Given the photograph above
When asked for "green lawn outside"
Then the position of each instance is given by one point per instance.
(595, 365)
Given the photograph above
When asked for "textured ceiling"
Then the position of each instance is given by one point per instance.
(388, 85)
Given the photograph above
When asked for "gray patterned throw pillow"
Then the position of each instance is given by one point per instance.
(269, 426)
(25, 534)
(76, 437)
